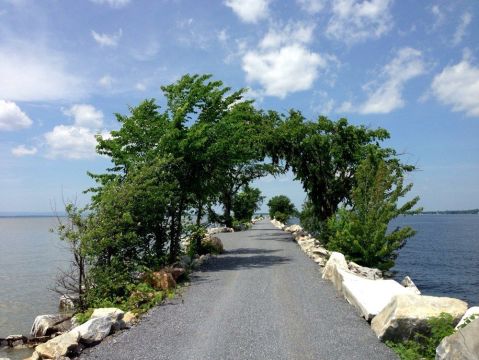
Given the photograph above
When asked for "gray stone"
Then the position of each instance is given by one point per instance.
(94, 330)
(462, 345)
(409, 284)
(365, 272)
(114, 314)
(63, 345)
(49, 324)
(409, 313)
(67, 302)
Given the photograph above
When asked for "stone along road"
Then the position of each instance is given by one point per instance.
(262, 299)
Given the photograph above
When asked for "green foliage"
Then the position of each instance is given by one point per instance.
(83, 317)
(423, 346)
(281, 208)
(324, 156)
(246, 203)
(361, 232)
(196, 236)
(143, 297)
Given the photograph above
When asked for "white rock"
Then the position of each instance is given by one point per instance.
(336, 261)
(462, 345)
(409, 284)
(49, 324)
(94, 330)
(365, 272)
(370, 297)
(114, 314)
(409, 313)
(293, 228)
(473, 311)
(62, 345)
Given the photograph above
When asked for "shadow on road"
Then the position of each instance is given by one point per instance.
(258, 260)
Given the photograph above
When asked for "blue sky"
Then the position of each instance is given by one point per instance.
(67, 66)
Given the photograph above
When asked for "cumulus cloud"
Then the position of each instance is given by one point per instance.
(113, 3)
(311, 6)
(461, 29)
(85, 115)
(355, 20)
(281, 71)
(387, 96)
(250, 11)
(109, 40)
(22, 150)
(282, 63)
(70, 142)
(12, 117)
(458, 86)
(31, 72)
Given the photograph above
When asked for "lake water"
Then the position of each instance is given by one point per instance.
(30, 256)
(442, 259)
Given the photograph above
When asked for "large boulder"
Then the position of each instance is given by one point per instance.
(462, 345)
(368, 296)
(470, 315)
(161, 280)
(407, 314)
(63, 345)
(94, 330)
(67, 302)
(114, 314)
(212, 244)
(365, 272)
(50, 324)
(331, 271)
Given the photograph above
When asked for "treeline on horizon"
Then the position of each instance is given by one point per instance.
(201, 152)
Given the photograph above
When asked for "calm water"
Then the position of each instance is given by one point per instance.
(443, 257)
(29, 258)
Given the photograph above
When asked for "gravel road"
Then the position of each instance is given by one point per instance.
(263, 299)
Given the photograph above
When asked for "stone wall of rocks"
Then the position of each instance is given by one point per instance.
(395, 311)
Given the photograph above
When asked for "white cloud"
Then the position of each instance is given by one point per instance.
(223, 36)
(385, 94)
(113, 3)
(285, 70)
(106, 39)
(70, 142)
(22, 150)
(387, 97)
(250, 11)
(321, 103)
(356, 20)
(311, 6)
(282, 63)
(458, 86)
(461, 29)
(85, 115)
(12, 117)
(439, 15)
(140, 86)
(30, 72)
(106, 81)
(291, 34)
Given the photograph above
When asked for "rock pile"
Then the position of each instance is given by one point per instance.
(396, 311)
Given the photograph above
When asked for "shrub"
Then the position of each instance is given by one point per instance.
(361, 232)
(423, 346)
(281, 208)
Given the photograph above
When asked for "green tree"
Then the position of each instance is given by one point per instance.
(361, 232)
(281, 208)
(324, 156)
(246, 203)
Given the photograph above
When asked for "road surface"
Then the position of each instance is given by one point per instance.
(262, 299)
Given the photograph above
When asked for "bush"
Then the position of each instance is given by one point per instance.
(246, 203)
(361, 232)
(423, 346)
(281, 208)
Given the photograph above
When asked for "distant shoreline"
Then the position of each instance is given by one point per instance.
(452, 212)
